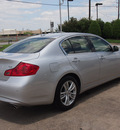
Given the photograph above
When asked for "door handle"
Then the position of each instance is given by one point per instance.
(102, 57)
(75, 60)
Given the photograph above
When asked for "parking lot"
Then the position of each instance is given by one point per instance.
(96, 109)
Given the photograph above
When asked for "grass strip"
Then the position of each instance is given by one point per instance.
(2, 47)
(113, 41)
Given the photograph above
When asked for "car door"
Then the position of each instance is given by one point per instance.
(109, 60)
(82, 59)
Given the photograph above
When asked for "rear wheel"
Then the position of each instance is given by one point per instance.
(66, 93)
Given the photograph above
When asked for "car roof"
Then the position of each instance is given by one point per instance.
(58, 35)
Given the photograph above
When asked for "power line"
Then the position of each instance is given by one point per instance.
(27, 2)
(106, 15)
(107, 6)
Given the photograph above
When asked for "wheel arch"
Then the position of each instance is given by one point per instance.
(74, 76)
(57, 101)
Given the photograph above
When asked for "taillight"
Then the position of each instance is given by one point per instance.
(22, 69)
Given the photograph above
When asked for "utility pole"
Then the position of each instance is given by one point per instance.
(68, 9)
(60, 15)
(118, 9)
(89, 9)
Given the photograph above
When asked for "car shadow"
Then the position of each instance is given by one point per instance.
(97, 90)
(28, 115)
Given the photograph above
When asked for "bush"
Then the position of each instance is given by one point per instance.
(116, 29)
(65, 27)
(107, 30)
(83, 25)
(95, 28)
(71, 25)
(101, 23)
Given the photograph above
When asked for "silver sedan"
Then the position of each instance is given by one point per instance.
(55, 68)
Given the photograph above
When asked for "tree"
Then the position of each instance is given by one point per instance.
(65, 27)
(71, 25)
(116, 29)
(95, 28)
(83, 25)
(101, 23)
(107, 30)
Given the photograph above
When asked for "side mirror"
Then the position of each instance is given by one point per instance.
(115, 48)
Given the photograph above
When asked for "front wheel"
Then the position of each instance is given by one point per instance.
(66, 93)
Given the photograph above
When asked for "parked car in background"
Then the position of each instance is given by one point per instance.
(55, 68)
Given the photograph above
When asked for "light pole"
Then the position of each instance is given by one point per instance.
(68, 8)
(97, 8)
(89, 9)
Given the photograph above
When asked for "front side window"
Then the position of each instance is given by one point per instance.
(29, 45)
(99, 44)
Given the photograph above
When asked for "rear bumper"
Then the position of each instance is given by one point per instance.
(22, 91)
(11, 101)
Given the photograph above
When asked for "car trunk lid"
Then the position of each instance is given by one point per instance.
(11, 60)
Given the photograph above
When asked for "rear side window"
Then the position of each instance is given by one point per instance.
(77, 44)
(67, 47)
(80, 44)
(29, 45)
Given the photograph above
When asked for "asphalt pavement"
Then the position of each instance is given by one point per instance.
(96, 109)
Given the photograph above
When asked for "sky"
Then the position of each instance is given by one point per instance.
(23, 16)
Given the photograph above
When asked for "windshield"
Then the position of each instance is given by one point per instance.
(29, 45)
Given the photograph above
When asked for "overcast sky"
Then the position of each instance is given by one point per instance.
(16, 15)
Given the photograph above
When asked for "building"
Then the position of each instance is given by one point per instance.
(8, 32)
(14, 32)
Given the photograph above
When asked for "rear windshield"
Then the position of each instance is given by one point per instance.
(32, 45)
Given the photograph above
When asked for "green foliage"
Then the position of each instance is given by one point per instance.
(4, 46)
(107, 30)
(76, 26)
(101, 23)
(98, 27)
(95, 28)
(116, 29)
(27, 33)
(83, 25)
(113, 40)
(71, 25)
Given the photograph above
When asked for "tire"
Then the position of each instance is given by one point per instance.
(66, 93)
